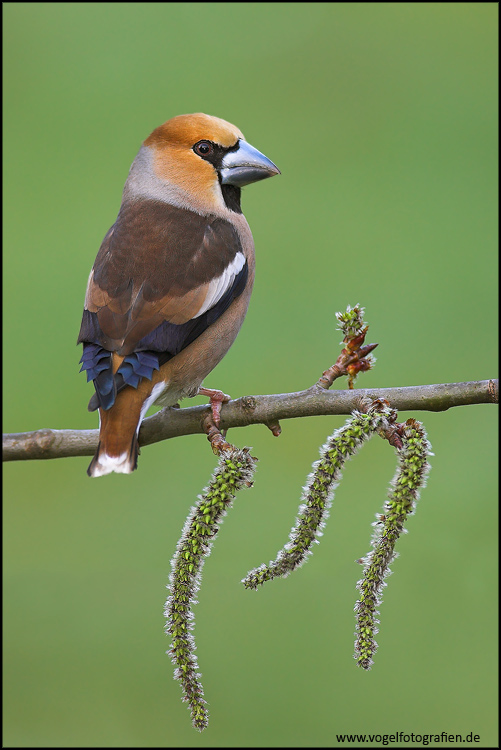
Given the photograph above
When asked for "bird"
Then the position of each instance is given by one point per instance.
(171, 283)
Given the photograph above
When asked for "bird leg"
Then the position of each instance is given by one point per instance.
(209, 426)
(216, 400)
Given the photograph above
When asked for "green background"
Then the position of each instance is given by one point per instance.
(382, 119)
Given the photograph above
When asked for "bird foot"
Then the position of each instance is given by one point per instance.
(216, 400)
(214, 435)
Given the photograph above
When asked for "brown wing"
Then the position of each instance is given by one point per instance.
(157, 264)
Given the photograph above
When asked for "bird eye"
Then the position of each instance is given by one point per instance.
(203, 148)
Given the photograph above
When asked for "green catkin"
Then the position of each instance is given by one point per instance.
(234, 471)
(318, 494)
(409, 479)
(351, 321)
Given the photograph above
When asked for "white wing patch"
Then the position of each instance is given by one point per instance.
(155, 393)
(221, 284)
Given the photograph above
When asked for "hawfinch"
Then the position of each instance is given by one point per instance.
(171, 283)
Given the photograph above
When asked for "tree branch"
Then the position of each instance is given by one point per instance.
(268, 410)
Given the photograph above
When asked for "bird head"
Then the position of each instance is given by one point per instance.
(201, 162)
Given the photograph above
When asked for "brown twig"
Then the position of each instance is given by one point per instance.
(352, 360)
(248, 410)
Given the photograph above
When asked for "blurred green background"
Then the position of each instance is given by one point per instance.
(383, 120)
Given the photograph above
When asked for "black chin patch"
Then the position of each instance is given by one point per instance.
(231, 197)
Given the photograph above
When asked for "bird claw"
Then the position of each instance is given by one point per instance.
(212, 419)
(216, 400)
(214, 436)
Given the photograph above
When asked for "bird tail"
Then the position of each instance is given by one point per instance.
(105, 462)
(118, 447)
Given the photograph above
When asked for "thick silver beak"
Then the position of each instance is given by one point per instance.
(246, 165)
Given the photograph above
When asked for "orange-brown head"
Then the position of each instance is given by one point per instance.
(190, 158)
(183, 131)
